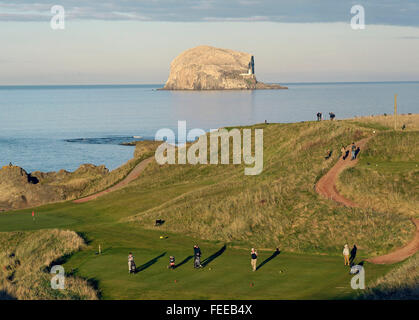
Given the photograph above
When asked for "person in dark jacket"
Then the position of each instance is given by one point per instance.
(319, 116)
(253, 258)
(353, 151)
(197, 256)
(343, 151)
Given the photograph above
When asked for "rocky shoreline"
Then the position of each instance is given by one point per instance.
(20, 189)
(258, 86)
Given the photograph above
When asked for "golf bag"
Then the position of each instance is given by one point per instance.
(197, 262)
(133, 267)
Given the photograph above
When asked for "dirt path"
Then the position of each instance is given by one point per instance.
(134, 174)
(326, 186)
(400, 254)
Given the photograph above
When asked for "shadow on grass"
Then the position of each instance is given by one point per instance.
(277, 252)
(149, 263)
(183, 262)
(214, 256)
(5, 296)
(94, 283)
(83, 235)
(58, 262)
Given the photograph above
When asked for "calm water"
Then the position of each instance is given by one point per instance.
(50, 128)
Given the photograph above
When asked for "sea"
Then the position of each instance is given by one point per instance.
(49, 128)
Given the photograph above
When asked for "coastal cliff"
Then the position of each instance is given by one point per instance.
(210, 68)
(20, 189)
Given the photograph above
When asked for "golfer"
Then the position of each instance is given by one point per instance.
(346, 254)
(197, 255)
(131, 262)
(254, 258)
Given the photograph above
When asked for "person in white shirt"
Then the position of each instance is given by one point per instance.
(131, 263)
(346, 254)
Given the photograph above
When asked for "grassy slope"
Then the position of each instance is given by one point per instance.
(278, 207)
(220, 204)
(400, 283)
(24, 256)
(386, 178)
(143, 150)
(387, 175)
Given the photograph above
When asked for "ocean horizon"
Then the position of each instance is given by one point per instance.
(153, 85)
(53, 127)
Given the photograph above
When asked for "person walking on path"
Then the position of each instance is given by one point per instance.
(254, 258)
(353, 151)
(197, 255)
(343, 150)
(346, 254)
(358, 149)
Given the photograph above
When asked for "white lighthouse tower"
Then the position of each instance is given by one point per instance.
(251, 66)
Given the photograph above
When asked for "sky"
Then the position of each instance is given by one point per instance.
(129, 42)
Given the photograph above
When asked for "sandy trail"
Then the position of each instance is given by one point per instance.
(134, 174)
(327, 188)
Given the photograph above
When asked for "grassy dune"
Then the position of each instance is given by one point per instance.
(386, 179)
(25, 258)
(143, 150)
(387, 176)
(400, 283)
(278, 207)
(381, 122)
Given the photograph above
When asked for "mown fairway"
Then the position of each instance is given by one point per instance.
(226, 276)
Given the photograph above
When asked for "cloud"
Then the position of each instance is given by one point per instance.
(409, 38)
(385, 12)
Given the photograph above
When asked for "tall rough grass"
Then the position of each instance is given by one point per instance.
(143, 150)
(25, 258)
(387, 177)
(400, 283)
(381, 122)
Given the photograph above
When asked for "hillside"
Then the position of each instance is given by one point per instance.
(402, 283)
(387, 176)
(25, 258)
(278, 207)
(227, 213)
